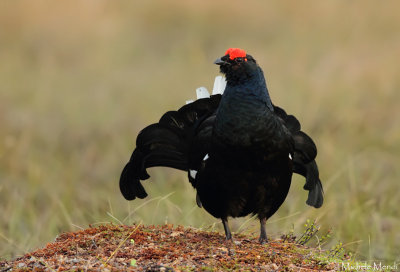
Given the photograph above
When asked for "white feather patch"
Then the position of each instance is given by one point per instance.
(205, 157)
(219, 88)
(202, 92)
(290, 156)
(193, 173)
(219, 85)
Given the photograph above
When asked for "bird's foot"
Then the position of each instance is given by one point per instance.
(228, 238)
(263, 240)
(228, 242)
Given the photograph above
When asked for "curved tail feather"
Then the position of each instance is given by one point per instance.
(305, 152)
(313, 183)
(316, 195)
(129, 185)
(167, 143)
(156, 145)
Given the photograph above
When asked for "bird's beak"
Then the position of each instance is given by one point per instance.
(219, 61)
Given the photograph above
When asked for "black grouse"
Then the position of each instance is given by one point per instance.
(239, 150)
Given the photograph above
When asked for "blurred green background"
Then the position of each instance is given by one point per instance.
(79, 80)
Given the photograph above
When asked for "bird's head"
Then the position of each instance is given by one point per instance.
(236, 65)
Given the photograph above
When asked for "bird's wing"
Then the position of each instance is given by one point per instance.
(168, 143)
(305, 152)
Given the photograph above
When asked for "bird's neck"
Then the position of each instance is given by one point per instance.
(245, 109)
(246, 86)
(247, 95)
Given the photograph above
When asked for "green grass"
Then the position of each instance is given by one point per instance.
(77, 83)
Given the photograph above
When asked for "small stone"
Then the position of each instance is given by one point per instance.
(176, 233)
(223, 249)
(274, 266)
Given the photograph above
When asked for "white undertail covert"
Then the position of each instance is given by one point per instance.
(218, 88)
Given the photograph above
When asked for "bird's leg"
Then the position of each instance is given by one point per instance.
(263, 234)
(228, 234)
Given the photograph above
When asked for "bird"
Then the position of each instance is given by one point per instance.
(238, 149)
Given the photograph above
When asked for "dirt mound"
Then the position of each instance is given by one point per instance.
(165, 248)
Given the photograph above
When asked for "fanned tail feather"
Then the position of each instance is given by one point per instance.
(305, 152)
(160, 144)
(166, 143)
(129, 182)
(316, 195)
(313, 183)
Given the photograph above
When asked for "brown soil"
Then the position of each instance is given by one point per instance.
(164, 248)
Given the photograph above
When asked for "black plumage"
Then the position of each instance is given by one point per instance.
(239, 149)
